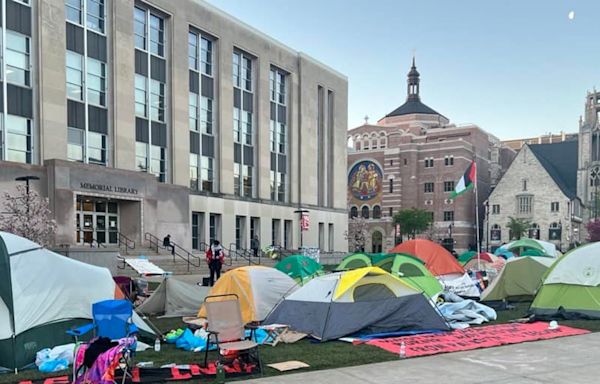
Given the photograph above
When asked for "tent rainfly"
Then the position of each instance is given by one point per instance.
(175, 296)
(300, 268)
(42, 295)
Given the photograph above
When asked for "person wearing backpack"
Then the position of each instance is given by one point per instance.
(215, 257)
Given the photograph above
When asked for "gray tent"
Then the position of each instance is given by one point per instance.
(175, 296)
(366, 300)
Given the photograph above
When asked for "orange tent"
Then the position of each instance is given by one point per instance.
(437, 259)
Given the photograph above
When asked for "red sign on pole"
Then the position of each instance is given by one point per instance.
(397, 229)
(304, 222)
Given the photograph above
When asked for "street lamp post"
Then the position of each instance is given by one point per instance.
(487, 225)
(301, 212)
(26, 179)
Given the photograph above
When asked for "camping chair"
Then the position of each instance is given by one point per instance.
(227, 329)
(103, 368)
(112, 319)
(125, 284)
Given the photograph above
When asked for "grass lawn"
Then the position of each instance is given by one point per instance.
(331, 354)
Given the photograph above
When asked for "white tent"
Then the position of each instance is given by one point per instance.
(42, 295)
(175, 296)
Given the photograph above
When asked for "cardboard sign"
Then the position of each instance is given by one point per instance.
(288, 365)
(473, 338)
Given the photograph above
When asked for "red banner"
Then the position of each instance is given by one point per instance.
(473, 338)
(304, 222)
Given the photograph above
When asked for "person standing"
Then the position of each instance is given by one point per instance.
(255, 245)
(167, 244)
(215, 257)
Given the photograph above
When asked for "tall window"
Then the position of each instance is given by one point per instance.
(353, 212)
(140, 96)
(448, 215)
(428, 187)
(201, 118)
(96, 148)
(448, 160)
(75, 144)
(278, 134)
(448, 186)
(157, 100)
(17, 58)
(365, 212)
(18, 139)
(73, 11)
(95, 15)
(554, 206)
(429, 162)
(377, 212)
(524, 204)
(391, 185)
(139, 28)
(74, 76)
(96, 82)
(496, 209)
(243, 121)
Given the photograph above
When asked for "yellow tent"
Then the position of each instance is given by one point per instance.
(258, 288)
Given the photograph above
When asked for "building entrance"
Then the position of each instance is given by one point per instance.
(97, 221)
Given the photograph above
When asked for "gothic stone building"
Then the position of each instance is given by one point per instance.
(413, 157)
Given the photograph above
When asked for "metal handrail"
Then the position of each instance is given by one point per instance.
(243, 253)
(124, 240)
(91, 243)
(178, 251)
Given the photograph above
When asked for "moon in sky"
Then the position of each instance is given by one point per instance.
(571, 15)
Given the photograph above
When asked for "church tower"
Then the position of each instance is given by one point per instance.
(413, 83)
(588, 174)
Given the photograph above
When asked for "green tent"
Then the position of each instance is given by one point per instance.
(526, 244)
(408, 268)
(532, 252)
(520, 278)
(300, 268)
(571, 286)
(466, 256)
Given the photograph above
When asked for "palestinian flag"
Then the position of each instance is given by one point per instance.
(466, 182)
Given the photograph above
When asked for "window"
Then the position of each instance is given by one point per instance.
(197, 230)
(365, 212)
(214, 227)
(139, 28)
(275, 231)
(157, 100)
(157, 162)
(330, 237)
(495, 233)
(353, 212)
(157, 35)
(428, 187)
(200, 53)
(448, 160)
(206, 115)
(207, 173)
(377, 212)
(75, 144)
(73, 11)
(524, 185)
(95, 15)
(555, 231)
(74, 76)
(429, 163)
(240, 229)
(554, 206)
(141, 156)
(193, 50)
(405, 161)
(193, 111)
(430, 216)
(17, 58)
(534, 231)
(243, 126)
(96, 148)
(496, 209)
(524, 204)
(391, 185)
(448, 215)
(140, 96)
(448, 186)
(242, 71)
(96, 82)
(382, 141)
(194, 171)
(391, 212)
(18, 139)
(391, 163)
(206, 56)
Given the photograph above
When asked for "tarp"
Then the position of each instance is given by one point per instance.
(437, 259)
(460, 284)
(571, 287)
(520, 277)
(144, 266)
(176, 296)
(463, 313)
(258, 288)
(474, 338)
(50, 293)
(366, 300)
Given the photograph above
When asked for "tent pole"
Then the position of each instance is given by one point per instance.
(477, 222)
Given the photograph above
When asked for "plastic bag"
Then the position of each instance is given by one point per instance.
(63, 352)
(42, 356)
(54, 365)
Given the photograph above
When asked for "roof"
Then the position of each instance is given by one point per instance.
(560, 161)
(412, 107)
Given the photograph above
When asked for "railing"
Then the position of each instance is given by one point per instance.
(177, 250)
(94, 241)
(127, 242)
(244, 254)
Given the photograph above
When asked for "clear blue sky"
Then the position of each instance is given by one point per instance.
(515, 67)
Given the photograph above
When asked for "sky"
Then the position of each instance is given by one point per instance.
(516, 68)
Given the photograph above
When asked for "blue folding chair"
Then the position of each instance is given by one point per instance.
(112, 319)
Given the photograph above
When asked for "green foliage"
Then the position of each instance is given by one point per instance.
(518, 227)
(413, 221)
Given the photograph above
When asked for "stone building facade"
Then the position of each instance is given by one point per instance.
(171, 117)
(413, 157)
(540, 187)
(588, 171)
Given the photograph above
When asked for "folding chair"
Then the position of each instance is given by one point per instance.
(111, 318)
(226, 327)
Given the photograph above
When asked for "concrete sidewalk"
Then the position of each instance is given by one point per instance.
(574, 359)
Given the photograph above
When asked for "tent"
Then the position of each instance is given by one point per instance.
(522, 245)
(466, 256)
(571, 287)
(486, 262)
(361, 260)
(175, 296)
(520, 277)
(258, 288)
(441, 264)
(42, 295)
(366, 300)
(504, 253)
(300, 268)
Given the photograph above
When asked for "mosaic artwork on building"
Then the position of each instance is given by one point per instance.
(365, 181)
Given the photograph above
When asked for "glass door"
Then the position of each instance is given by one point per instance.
(96, 220)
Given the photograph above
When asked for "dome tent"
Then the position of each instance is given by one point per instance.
(362, 300)
(571, 287)
(44, 294)
(300, 268)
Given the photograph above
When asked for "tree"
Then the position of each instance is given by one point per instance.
(413, 221)
(27, 215)
(357, 234)
(593, 229)
(518, 227)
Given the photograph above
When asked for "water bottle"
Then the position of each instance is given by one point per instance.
(402, 353)
(157, 345)
(220, 379)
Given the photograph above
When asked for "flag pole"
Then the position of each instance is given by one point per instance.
(477, 219)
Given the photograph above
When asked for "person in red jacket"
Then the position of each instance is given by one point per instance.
(215, 257)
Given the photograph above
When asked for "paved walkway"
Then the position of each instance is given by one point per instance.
(571, 360)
